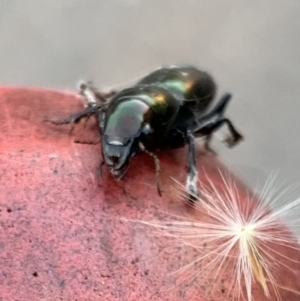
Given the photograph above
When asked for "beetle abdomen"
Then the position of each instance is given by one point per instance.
(191, 83)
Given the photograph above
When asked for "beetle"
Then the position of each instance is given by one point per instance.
(167, 108)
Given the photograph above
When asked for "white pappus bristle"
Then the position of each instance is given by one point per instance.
(254, 239)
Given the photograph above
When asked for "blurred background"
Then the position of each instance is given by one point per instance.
(251, 48)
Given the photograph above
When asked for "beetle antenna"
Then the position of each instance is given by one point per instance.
(157, 167)
(90, 142)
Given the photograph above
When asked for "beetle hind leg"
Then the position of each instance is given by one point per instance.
(214, 120)
(235, 137)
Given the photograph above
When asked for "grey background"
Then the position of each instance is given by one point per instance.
(251, 47)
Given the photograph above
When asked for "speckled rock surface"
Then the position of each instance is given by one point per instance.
(64, 233)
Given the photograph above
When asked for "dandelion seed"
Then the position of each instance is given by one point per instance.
(254, 236)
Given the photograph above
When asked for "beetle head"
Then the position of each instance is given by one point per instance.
(116, 156)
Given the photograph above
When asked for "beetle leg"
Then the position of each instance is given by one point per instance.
(95, 101)
(92, 95)
(214, 120)
(75, 118)
(233, 138)
(108, 93)
(192, 175)
(91, 108)
(157, 166)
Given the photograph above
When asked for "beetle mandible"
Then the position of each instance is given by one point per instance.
(167, 108)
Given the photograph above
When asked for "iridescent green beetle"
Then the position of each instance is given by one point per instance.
(165, 109)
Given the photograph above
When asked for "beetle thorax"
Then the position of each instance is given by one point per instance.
(123, 125)
(125, 121)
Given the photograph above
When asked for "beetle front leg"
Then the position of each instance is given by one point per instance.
(75, 118)
(95, 103)
(192, 174)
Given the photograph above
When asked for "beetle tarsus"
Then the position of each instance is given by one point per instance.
(192, 176)
(191, 188)
(235, 137)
